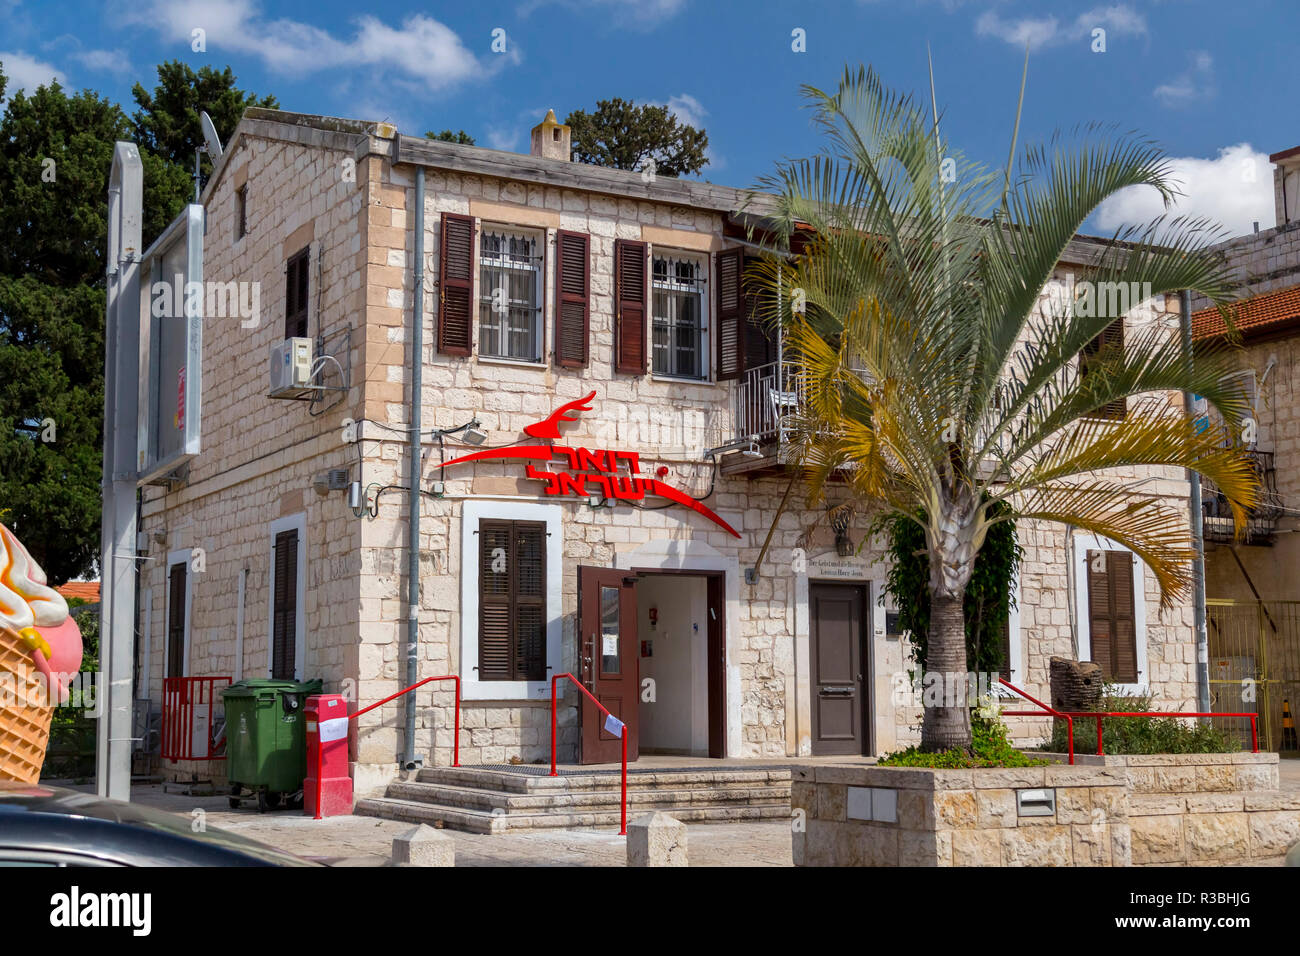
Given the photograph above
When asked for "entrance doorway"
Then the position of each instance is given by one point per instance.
(840, 668)
(669, 681)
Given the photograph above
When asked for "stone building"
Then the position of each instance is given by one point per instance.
(587, 309)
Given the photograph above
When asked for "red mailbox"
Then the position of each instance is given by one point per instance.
(327, 791)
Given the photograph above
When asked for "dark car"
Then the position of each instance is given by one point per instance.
(50, 826)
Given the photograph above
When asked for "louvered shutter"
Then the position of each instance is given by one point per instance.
(512, 600)
(729, 337)
(758, 342)
(1110, 342)
(284, 623)
(176, 622)
(494, 600)
(629, 306)
(1111, 618)
(572, 301)
(1004, 641)
(1119, 568)
(530, 601)
(296, 294)
(455, 284)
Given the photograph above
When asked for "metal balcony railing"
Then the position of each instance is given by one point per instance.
(765, 396)
(1261, 521)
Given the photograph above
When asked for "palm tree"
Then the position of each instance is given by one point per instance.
(939, 378)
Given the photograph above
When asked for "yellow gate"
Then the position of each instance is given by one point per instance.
(1255, 665)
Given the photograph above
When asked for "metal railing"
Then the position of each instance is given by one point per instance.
(188, 716)
(1045, 712)
(1255, 662)
(622, 733)
(763, 397)
(1261, 521)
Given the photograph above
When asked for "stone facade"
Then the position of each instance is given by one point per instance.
(335, 186)
(1107, 811)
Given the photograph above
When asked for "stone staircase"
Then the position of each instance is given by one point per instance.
(497, 799)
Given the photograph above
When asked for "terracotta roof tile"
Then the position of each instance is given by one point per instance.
(1256, 315)
(88, 590)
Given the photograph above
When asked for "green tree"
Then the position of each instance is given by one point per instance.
(621, 135)
(447, 136)
(167, 121)
(939, 384)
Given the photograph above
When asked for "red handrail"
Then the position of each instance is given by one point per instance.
(1098, 715)
(554, 773)
(181, 695)
(1069, 719)
(455, 744)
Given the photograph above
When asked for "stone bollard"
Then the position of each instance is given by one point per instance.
(656, 839)
(424, 846)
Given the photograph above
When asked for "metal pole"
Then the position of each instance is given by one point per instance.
(410, 761)
(1198, 537)
(118, 524)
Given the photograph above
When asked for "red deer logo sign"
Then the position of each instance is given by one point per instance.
(587, 470)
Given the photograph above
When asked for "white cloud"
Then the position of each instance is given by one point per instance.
(502, 138)
(639, 14)
(104, 61)
(687, 109)
(1194, 83)
(27, 73)
(422, 51)
(1234, 189)
(1040, 32)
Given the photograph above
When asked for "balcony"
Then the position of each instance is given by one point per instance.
(1261, 521)
(763, 399)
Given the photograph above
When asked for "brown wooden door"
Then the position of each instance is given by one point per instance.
(608, 660)
(837, 614)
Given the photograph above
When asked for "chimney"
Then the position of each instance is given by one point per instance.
(550, 139)
(1286, 185)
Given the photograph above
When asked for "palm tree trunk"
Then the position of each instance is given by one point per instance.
(947, 725)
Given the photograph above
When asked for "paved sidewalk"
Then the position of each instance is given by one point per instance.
(366, 841)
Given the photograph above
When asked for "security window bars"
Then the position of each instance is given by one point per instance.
(510, 315)
(678, 332)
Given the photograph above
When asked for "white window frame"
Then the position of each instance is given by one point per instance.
(705, 264)
(540, 241)
(1013, 634)
(471, 514)
(1082, 614)
(296, 522)
(180, 556)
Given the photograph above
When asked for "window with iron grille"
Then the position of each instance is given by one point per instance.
(678, 337)
(510, 314)
(512, 600)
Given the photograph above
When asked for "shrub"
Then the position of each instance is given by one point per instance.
(1140, 735)
(990, 747)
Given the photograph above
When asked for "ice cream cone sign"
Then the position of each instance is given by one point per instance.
(40, 654)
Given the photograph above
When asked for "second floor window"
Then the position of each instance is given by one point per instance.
(510, 315)
(296, 287)
(1110, 344)
(677, 333)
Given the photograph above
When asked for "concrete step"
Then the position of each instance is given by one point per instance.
(474, 798)
(478, 821)
(541, 781)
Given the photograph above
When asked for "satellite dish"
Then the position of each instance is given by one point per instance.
(210, 136)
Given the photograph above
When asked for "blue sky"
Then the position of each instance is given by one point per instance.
(1214, 83)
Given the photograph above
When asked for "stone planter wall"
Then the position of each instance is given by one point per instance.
(1109, 811)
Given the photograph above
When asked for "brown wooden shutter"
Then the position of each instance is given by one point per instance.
(759, 341)
(456, 284)
(530, 600)
(629, 306)
(1004, 641)
(729, 336)
(494, 602)
(176, 622)
(573, 298)
(296, 294)
(512, 600)
(1111, 617)
(284, 624)
(1111, 340)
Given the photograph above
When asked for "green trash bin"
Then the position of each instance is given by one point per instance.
(266, 739)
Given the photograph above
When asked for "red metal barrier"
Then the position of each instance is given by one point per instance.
(455, 746)
(1254, 733)
(554, 773)
(184, 699)
(1049, 712)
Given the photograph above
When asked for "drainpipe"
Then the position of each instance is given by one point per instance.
(1198, 537)
(409, 759)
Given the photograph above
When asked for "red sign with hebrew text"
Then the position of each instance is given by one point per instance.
(615, 474)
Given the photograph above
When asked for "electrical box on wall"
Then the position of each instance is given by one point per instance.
(291, 362)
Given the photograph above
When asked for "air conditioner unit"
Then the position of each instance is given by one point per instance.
(291, 362)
